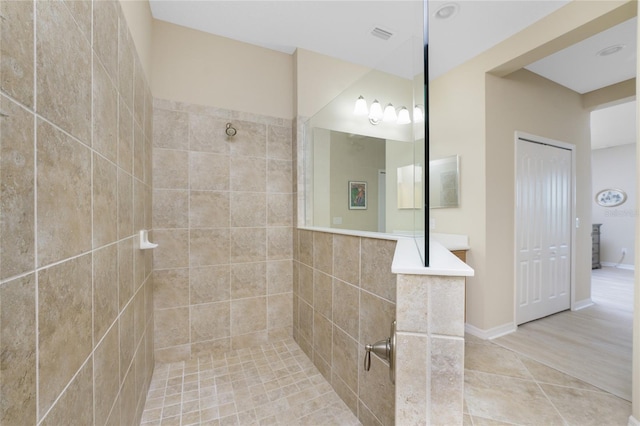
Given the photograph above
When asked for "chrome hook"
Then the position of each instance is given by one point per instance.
(230, 130)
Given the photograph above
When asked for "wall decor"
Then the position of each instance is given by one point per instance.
(357, 195)
(611, 197)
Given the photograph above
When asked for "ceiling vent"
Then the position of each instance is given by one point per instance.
(380, 33)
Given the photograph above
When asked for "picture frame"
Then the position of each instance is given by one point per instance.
(611, 197)
(357, 195)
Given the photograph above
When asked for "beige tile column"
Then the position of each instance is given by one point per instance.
(430, 350)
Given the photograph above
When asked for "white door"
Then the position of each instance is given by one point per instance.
(543, 230)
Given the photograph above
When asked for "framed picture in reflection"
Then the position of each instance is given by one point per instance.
(357, 195)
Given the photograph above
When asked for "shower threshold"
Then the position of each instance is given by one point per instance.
(272, 384)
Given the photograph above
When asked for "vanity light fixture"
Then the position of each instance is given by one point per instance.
(361, 107)
(375, 112)
(389, 113)
(418, 115)
(403, 116)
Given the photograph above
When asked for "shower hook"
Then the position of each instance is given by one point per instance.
(230, 131)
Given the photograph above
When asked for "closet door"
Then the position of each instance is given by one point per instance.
(543, 230)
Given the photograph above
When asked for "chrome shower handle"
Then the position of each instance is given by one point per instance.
(385, 349)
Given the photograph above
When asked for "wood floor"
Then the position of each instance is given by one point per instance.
(593, 344)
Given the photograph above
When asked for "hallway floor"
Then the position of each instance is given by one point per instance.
(274, 384)
(505, 388)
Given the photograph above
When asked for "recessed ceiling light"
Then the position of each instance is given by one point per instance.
(610, 50)
(446, 11)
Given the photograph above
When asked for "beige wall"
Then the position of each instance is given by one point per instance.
(203, 69)
(528, 103)
(75, 295)
(344, 297)
(466, 119)
(222, 216)
(615, 167)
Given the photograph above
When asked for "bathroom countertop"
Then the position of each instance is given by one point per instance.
(407, 260)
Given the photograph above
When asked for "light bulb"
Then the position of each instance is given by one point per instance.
(361, 107)
(418, 116)
(403, 116)
(375, 113)
(389, 113)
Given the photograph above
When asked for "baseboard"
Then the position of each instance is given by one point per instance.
(581, 304)
(633, 421)
(620, 266)
(492, 333)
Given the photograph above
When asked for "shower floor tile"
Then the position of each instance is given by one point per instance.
(273, 384)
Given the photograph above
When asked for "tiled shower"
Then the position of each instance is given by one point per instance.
(84, 313)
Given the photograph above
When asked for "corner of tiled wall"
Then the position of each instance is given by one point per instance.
(344, 298)
(223, 219)
(75, 186)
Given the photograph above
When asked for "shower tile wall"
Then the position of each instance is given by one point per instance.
(223, 217)
(344, 298)
(76, 315)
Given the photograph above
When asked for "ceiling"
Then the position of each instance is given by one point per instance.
(342, 29)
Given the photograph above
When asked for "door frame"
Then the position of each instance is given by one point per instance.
(527, 137)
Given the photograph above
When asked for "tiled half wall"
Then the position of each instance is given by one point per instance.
(344, 298)
(223, 219)
(75, 170)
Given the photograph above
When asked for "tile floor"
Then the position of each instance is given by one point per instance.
(277, 384)
(506, 388)
(274, 384)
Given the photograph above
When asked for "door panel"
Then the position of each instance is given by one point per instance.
(543, 230)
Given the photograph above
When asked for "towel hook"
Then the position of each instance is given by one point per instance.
(230, 131)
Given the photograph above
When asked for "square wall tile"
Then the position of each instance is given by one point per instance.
(172, 250)
(105, 35)
(170, 288)
(376, 315)
(207, 134)
(279, 209)
(346, 358)
(251, 141)
(248, 245)
(63, 56)
(105, 290)
(209, 209)
(209, 284)
(375, 272)
(64, 315)
(107, 375)
(125, 272)
(16, 61)
(279, 176)
(346, 258)
(279, 311)
(248, 280)
(171, 208)
(125, 136)
(323, 294)
(248, 209)
(76, 403)
(17, 227)
(279, 142)
(346, 307)
(323, 252)
(322, 336)
(105, 202)
(18, 361)
(279, 276)
(171, 327)
(208, 171)
(170, 129)
(209, 247)
(64, 195)
(170, 169)
(210, 321)
(125, 64)
(279, 243)
(248, 174)
(125, 204)
(248, 315)
(105, 112)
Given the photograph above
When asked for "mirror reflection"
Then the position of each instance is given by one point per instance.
(444, 178)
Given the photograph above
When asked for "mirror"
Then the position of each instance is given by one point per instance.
(364, 175)
(444, 180)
